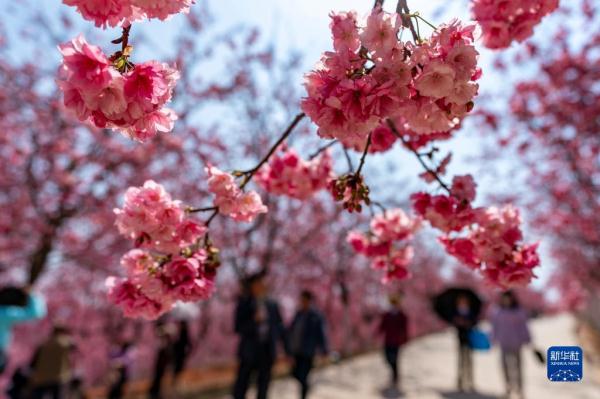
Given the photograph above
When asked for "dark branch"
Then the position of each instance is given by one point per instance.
(250, 173)
(418, 155)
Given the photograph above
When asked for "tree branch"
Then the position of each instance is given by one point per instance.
(251, 172)
(418, 155)
(364, 155)
(404, 11)
(320, 150)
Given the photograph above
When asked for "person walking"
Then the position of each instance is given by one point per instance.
(51, 366)
(393, 325)
(260, 327)
(164, 357)
(306, 336)
(182, 348)
(17, 305)
(510, 332)
(464, 320)
(120, 360)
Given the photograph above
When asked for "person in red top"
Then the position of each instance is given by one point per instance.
(394, 328)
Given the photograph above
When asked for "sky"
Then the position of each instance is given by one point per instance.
(302, 26)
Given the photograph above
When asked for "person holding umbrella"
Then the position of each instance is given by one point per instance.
(461, 308)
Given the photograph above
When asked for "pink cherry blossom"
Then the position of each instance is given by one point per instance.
(231, 200)
(162, 9)
(436, 80)
(132, 102)
(394, 225)
(443, 212)
(386, 243)
(426, 87)
(505, 21)
(186, 280)
(381, 32)
(154, 220)
(122, 12)
(345, 31)
(85, 66)
(288, 174)
(103, 12)
(149, 85)
(126, 295)
(463, 188)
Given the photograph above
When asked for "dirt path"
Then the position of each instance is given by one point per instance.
(428, 369)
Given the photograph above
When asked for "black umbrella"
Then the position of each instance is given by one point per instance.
(13, 296)
(444, 304)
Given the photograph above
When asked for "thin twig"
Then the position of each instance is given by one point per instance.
(417, 15)
(251, 172)
(206, 209)
(419, 156)
(348, 159)
(379, 205)
(404, 11)
(320, 150)
(364, 156)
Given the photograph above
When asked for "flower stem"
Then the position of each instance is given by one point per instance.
(364, 155)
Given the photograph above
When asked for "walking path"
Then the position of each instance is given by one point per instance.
(428, 370)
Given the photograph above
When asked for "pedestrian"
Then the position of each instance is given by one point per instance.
(393, 325)
(51, 366)
(164, 357)
(307, 336)
(510, 332)
(19, 383)
(120, 360)
(260, 327)
(182, 348)
(464, 320)
(16, 305)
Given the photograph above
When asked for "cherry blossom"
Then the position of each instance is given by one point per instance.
(426, 87)
(488, 240)
(503, 22)
(288, 174)
(386, 243)
(122, 12)
(130, 101)
(230, 199)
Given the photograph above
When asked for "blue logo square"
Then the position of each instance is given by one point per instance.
(565, 364)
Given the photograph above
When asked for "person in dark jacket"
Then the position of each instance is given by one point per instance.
(394, 328)
(260, 327)
(182, 348)
(51, 369)
(164, 357)
(306, 336)
(120, 361)
(464, 321)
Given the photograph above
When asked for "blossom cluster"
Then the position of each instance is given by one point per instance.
(152, 289)
(230, 199)
(386, 243)
(116, 12)
(131, 101)
(485, 239)
(503, 22)
(370, 76)
(168, 264)
(287, 173)
(351, 190)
